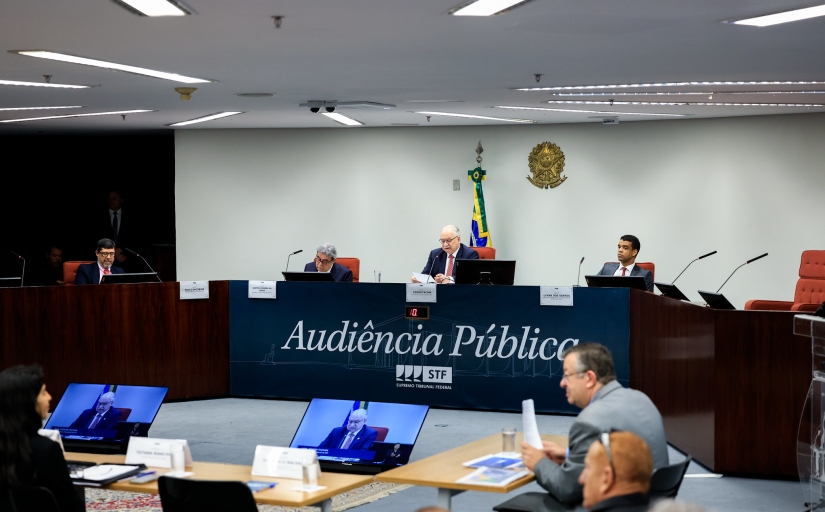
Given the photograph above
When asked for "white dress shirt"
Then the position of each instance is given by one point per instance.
(354, 435)
(629, 268)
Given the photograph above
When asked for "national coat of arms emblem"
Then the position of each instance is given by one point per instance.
(546, 163)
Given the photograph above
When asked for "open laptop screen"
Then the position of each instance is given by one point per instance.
(106, 412)
(359, 432)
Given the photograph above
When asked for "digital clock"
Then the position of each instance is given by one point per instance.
(417, 312)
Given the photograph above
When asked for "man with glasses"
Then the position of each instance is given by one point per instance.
(589, 381)
(441, 263)
(325, 262)
(92, 273)
(355, 436)
(617, 471)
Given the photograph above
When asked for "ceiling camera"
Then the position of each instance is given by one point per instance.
(314, 110)
(330, 109)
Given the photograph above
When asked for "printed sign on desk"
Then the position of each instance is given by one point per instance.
(194, 290)
(421, 292)
(556, 295)
(282, 462)
(155, 452)
(262, 289)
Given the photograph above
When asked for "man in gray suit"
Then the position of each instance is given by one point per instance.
(590, 383)
(629, 247)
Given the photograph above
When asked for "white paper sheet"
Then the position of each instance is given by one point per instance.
(423, 278)
(529, 425)
(106, 471)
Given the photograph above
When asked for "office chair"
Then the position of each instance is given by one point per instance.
(666, 481)
(29, 499)
(184, 495)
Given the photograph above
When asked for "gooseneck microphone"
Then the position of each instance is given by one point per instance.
(290, 255)
(740, 266)
(23, 274)
(580, 271)
(144, 260)
(692, 262)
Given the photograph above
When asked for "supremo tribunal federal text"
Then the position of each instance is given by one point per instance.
(491, 344)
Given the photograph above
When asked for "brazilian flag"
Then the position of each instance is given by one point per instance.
(480, 232)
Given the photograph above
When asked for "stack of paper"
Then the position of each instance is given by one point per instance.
(492, 476)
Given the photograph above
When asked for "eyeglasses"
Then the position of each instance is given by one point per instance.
(566, 376)
(446, 241)
(107, 254)
(322, 262)
(605, 439)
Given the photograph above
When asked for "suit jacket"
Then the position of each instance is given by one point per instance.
(89, 273)
(437, 261)
(362, 441)
(51, 473)
(610, 268)
(613, 407)
(340, 273)
(636, 502)
(108, 421)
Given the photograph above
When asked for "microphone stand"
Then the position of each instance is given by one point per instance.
(290, 255)
(144, 261)
(23, 274)
(579, 275)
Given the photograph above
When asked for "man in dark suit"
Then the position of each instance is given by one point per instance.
(102, 417)
(629, 247)
(355, 436)
(325, 262)
(92, 273)
(441, 262)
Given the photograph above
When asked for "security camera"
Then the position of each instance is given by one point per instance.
(314, 110)
(330, 109)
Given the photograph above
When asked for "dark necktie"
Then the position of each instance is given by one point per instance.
(347, 442)
(450, 266)
(114, 226)
(624, 269)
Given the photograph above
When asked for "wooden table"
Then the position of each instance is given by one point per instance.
(442, 470)
(282, 494)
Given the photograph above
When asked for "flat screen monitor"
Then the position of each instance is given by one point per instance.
(670, 290)
(100, 418)
(142, 277)
(383, 441)
(307, 276)
(485, 271)
(716, 300)
(637, 282)
(10, 282)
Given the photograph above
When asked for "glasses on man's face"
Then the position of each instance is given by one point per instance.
(605, 439)
(107, 254)
(322, 262)
(356, 421)
(566, 376)
(442, 241)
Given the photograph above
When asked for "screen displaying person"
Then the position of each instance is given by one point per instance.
(101, 417)
(355, 436)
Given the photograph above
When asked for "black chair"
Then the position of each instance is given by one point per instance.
(184, 495)
(533, 501)
(29, 499)
(666, 481)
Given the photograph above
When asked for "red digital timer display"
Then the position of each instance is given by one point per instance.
(417, 312)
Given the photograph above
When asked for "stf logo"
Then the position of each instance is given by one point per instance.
(438, 374)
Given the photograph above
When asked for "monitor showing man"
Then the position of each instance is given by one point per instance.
(92, 273)
(355, 436)
(441, 262)
(617, 471)
(325, 262)
(629, 247)
(102, 416)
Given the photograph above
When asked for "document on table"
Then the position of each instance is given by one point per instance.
(106, 472)
(498, 460)
(492, 476)
(530, 427)
(423, 278)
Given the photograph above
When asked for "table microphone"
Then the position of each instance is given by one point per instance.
(740, 266)
(691, 263)
(23, 274)
(144, 260)
(580, 271)
(290, 255)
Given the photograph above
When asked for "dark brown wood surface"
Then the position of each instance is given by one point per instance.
(140, 334)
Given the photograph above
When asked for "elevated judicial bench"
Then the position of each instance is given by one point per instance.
(730, 384)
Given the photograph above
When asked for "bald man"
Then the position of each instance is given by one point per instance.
(617, 471)
(441, 262)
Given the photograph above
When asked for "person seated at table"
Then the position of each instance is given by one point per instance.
(92, 273)
(325, 262)
(355, 436)
(589, 380)
(616, 475)
(26, 458)
(50, 272)
(629, 247)
(441, 262)
(100, 417)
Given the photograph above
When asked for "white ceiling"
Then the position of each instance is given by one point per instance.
(394, 51)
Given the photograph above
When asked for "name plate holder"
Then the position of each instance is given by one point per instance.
(155, 452)
(556, 296)
(421, 292)
(280, 462)
(194, 290)
(262, 290)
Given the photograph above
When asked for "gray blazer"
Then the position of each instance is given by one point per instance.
(613, 407)
(610, 268)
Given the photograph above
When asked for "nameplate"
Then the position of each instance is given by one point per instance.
(194, 290)
(280, 462)
(421, 292)
(556, 296)
(262, 289)
(155, 452)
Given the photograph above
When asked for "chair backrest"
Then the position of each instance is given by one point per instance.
(382, 433)
(353, 264)
(125, 412)
(485, 253)
(666, 481)
(70, 269)
(29, 498)
(651, 267)
(184, 495)
(811, 285)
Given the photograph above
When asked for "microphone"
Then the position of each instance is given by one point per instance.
(740, 266)
(144, 260)
(290, 255)
(580, 271)
(23, 274)
(691, 263)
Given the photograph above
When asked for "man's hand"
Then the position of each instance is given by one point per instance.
(439, 278)
(531, 456)
(61, 283)
(554, 452)
(414, 280)
(119, 256)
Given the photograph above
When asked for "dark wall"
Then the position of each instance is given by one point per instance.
(53, 190)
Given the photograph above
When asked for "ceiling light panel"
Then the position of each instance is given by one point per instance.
(486, 7)
(783, 17)
(470, 116)
(72, 59)
(119, 112)
(203, 119)
(577, 111)
(43, 84)
(9, 109)
(683, 104)
(660, 84)
(660, 93)
(153, 8)
(341, 118)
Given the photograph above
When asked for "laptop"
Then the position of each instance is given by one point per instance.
(307, 276)
(100, 418)
(716, 300)
(485, 272)
(382, 442)
(637, 282)
(142, 277)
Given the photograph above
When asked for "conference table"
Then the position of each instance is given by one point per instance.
(442, 470)
(282, 494)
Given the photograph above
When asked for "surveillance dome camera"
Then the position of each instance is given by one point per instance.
(330, 109)
(314, 110)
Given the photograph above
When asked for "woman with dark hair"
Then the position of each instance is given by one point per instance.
(27, 458)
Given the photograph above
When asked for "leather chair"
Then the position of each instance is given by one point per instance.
(125, 412)
(27, 499)
(70, 270)
(184, 495)
(810, 289)
(665, 482)
(382, 433)
(642, 264)
(353, 264)
(485, 253)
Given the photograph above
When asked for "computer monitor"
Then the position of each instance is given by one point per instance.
(384, 441)
(10, 282)
(716, 300)
(142, 277)
(670, 290)
(637, 282)
(502, 272)
(100, 418)
(307, 276)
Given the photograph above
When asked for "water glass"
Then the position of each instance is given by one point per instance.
(508, 439)
(178, 459)
(310, 474)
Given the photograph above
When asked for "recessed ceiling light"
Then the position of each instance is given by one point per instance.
(782, 17)
(660, 84)
(62, 57)
(593, 111)
(36, 108)
(470, 116)
(485, 7)
(365, 104)
(255, 94)
(341, 118)
(43, 84)
(434, 101)
(210, 117)
(660, 93)
(153, 7)
(120, 112)
(683, 104)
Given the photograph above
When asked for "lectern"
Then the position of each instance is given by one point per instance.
(811, 441)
